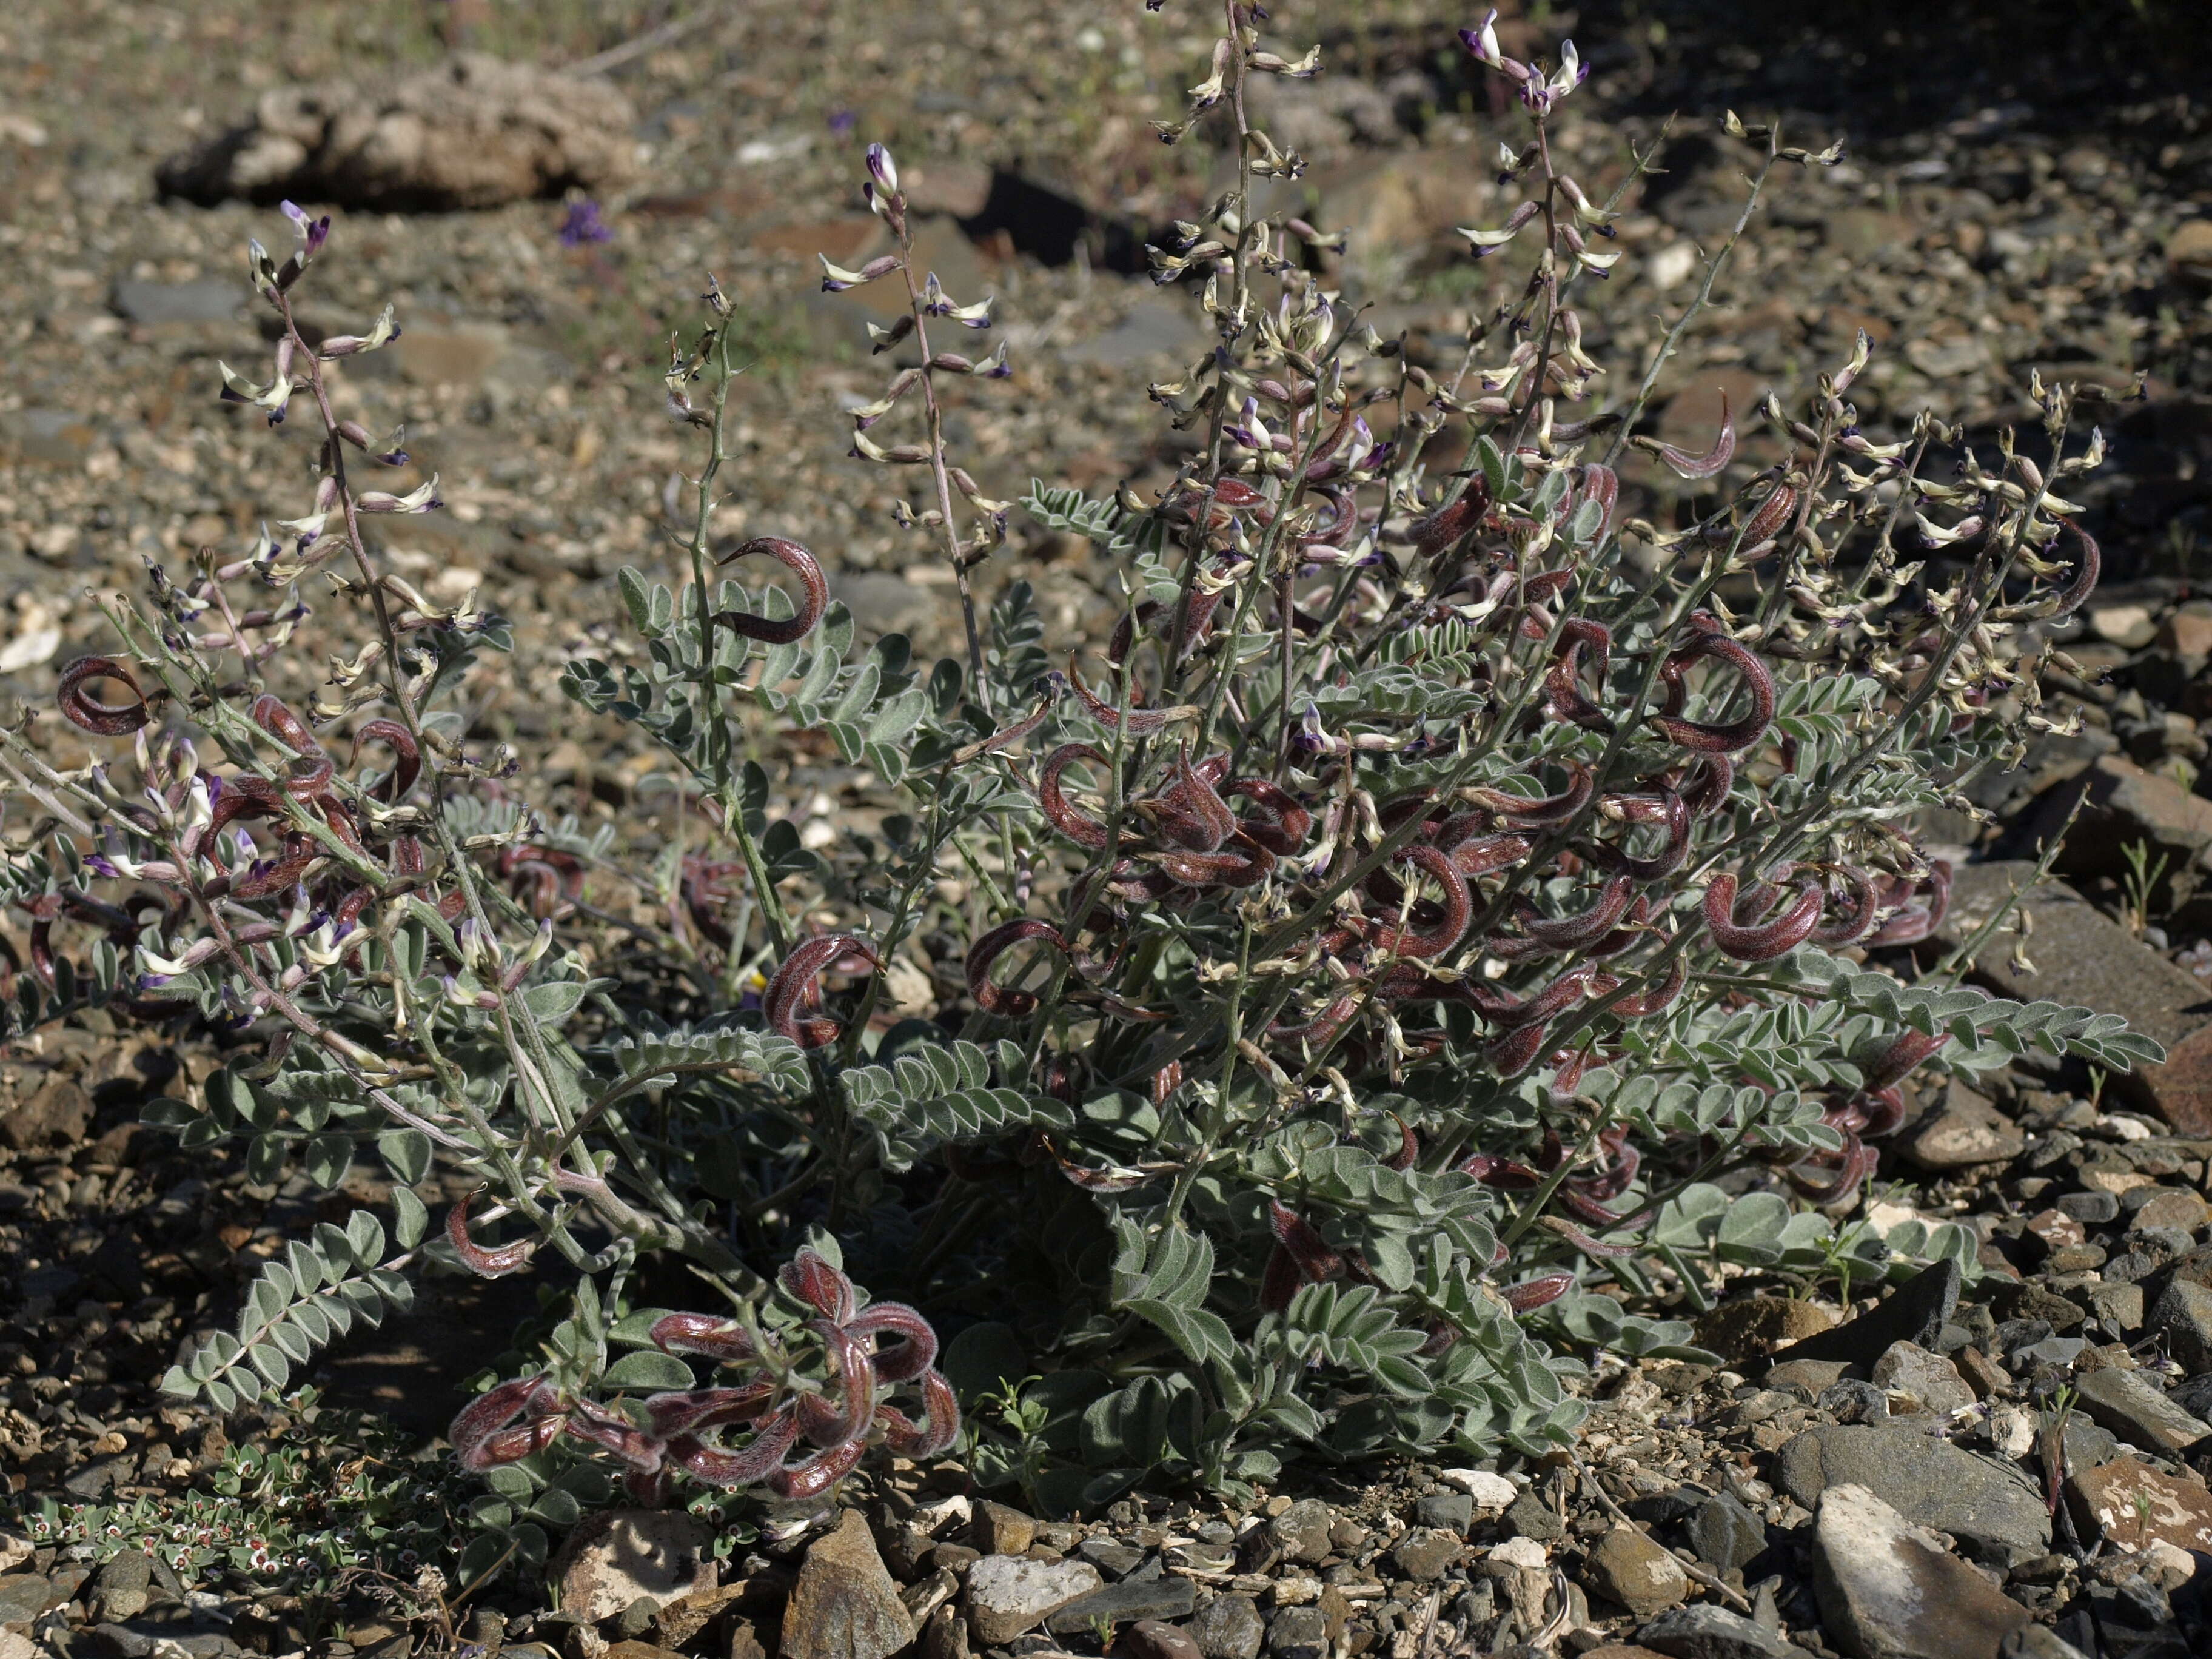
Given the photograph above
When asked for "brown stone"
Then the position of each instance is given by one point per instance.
(2189, 250)
(2176, 1207)
(1627, 1567)
(1967, 1132)
(2084, 959)
(1983, 1375)
(59, 1112)
(2057, 1229)
(1756, 1325)
(1150, 1638)
(2188, 632)
(616, 1556)
(2131, 1504)
(845, 1605)
(1001, 1529)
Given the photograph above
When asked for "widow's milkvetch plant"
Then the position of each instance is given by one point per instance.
(1437, 881)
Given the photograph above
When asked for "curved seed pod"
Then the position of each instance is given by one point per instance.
(1725, 736)
(1761, 941)
(1675, 815)
(1573, 933)
(243, 797)
(1563, 684)
(1661, 996)
(794, 986)
(809, 1278)
(762, 1455)
(1623, 1162)
(1856, 1162)
(616, 1433)
(106, 720)
(1855, 924)
(817, 1473)
(1448, 525)
(688, 1411)
(856, 1382)
(1055, 688)
(273, 715)
(480, 1420)
(1507, 1011)
(1515, 1052)
(941, 1411)
(1084, 832)
(1906, 1050)
(1138, 722)
(1308, 1251)
(1917, 920)
(704, 1334)
(1687, 466)
(524, 1440)
(986, 950)
(1242, 869)
(1883, 1110)
(1539, 812)
(1458, 909)
(1494, 1170)
(1534, 1293)
(1769, 516)
(1582, 1241)
(1287, 823)
(801, 563)
(404, 771)
(1189, 811)
(1322, 1029)
(1487, 854)
(1603, 485)
(1279, 1281)
(484, 1263)
(1409, 1148)
(2088, 565)
(1709, 782)
(915, 1352)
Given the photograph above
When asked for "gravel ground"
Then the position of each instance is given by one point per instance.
(2027, 193)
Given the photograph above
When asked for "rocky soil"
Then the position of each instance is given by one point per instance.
(2011, 1460)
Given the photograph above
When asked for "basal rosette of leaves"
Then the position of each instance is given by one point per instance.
(1426, 943)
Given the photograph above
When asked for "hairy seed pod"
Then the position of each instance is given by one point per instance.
(1858, 920)
(1515, 1052)
(987, 949)
(1286, 823)
(916, 1350)
(795, 985)
(1458, 909)
(484, 1417)
(688, 1411)
(1761, 941)
(1563, 684)
(484, 1263)
(1449, 525)
(408, 766)
(718, 1339)
(1139, 723)
(1723, 737)
(815, 589)
(1659, 997)
(1709, 781)
(760, 1458)
(1573, 933)
(817, 1473)
(1687, 466)
(1538, 813)
(810, 1279)
(1082, 830)
(106, 720)
(1534, 1293)
(1674, 814)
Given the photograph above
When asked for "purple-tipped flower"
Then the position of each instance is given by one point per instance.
(883, 169)
(583, 224)
(313, 232)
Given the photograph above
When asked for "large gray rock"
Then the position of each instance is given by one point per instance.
(1888, 1590)
(617, 1556)
(1629, 1568)
(1990, 1508)
(2084, 959)
(1914, 1312)
(2182, 1316)
(2137, 1410)
(473, 131)
(1229, 1627)
(1008, 1595)
(845, 1605)
(1701, 1631)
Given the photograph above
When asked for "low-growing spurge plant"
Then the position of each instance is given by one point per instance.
(1423, 948)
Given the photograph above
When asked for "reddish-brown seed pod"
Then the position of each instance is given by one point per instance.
(815, 593)
(484, 1263)
(1541, 811)
(1534, 1293)
(273, 715)
(1138, 722)
(1409, 1148)
(1448, 525)
(1761, 941)
(1659, 997)
(1487, 854)
(941, 1420)
(692, 1409)
(1720, 737)
(1309, 1251)
(1856, 922)
(1771, 515)
(1285, 823)
(1563, 684)
(809, 1277)
(1699, 467)
(1674, 814)
(1189, 811)
(1515, 1052)
(106, 720)
(1707, 788)
(1458, 909)
(1906, 1050)
(2087, 565)
(718, 1339)
(1247, 867)
(794, 986)
(761, 1456)
(404, 771)
(916, 1350)
(856, 1384)
(480, 1421)
(1051, 796)
(1919, 919)
(1508, 1011)
(1573, 933)
(987, 950)
(1322, 1028)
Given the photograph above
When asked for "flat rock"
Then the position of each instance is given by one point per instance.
(1914, 1312)
(1888, 1590)
(1148, 1638)
(1991, 1509)
(1754, 1325)
(2137, 1410)
(1725, 1534)
(1153, 328)
(2132, 1505)
(153, 305)
(1493, 1494)
(2084, 959)
(1229, 1627)
(2182, 1316)
(1424, 1554)
(1627, 1567)
(1008, 1595)
(1701, 1631)
(845, 1605)
(616, 1556)
(1303, 1531)
(473, 131)
(1170, 1595)
(1001, 1529)
(1931, 1381)
(1967, 1131)
(23, 1597)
